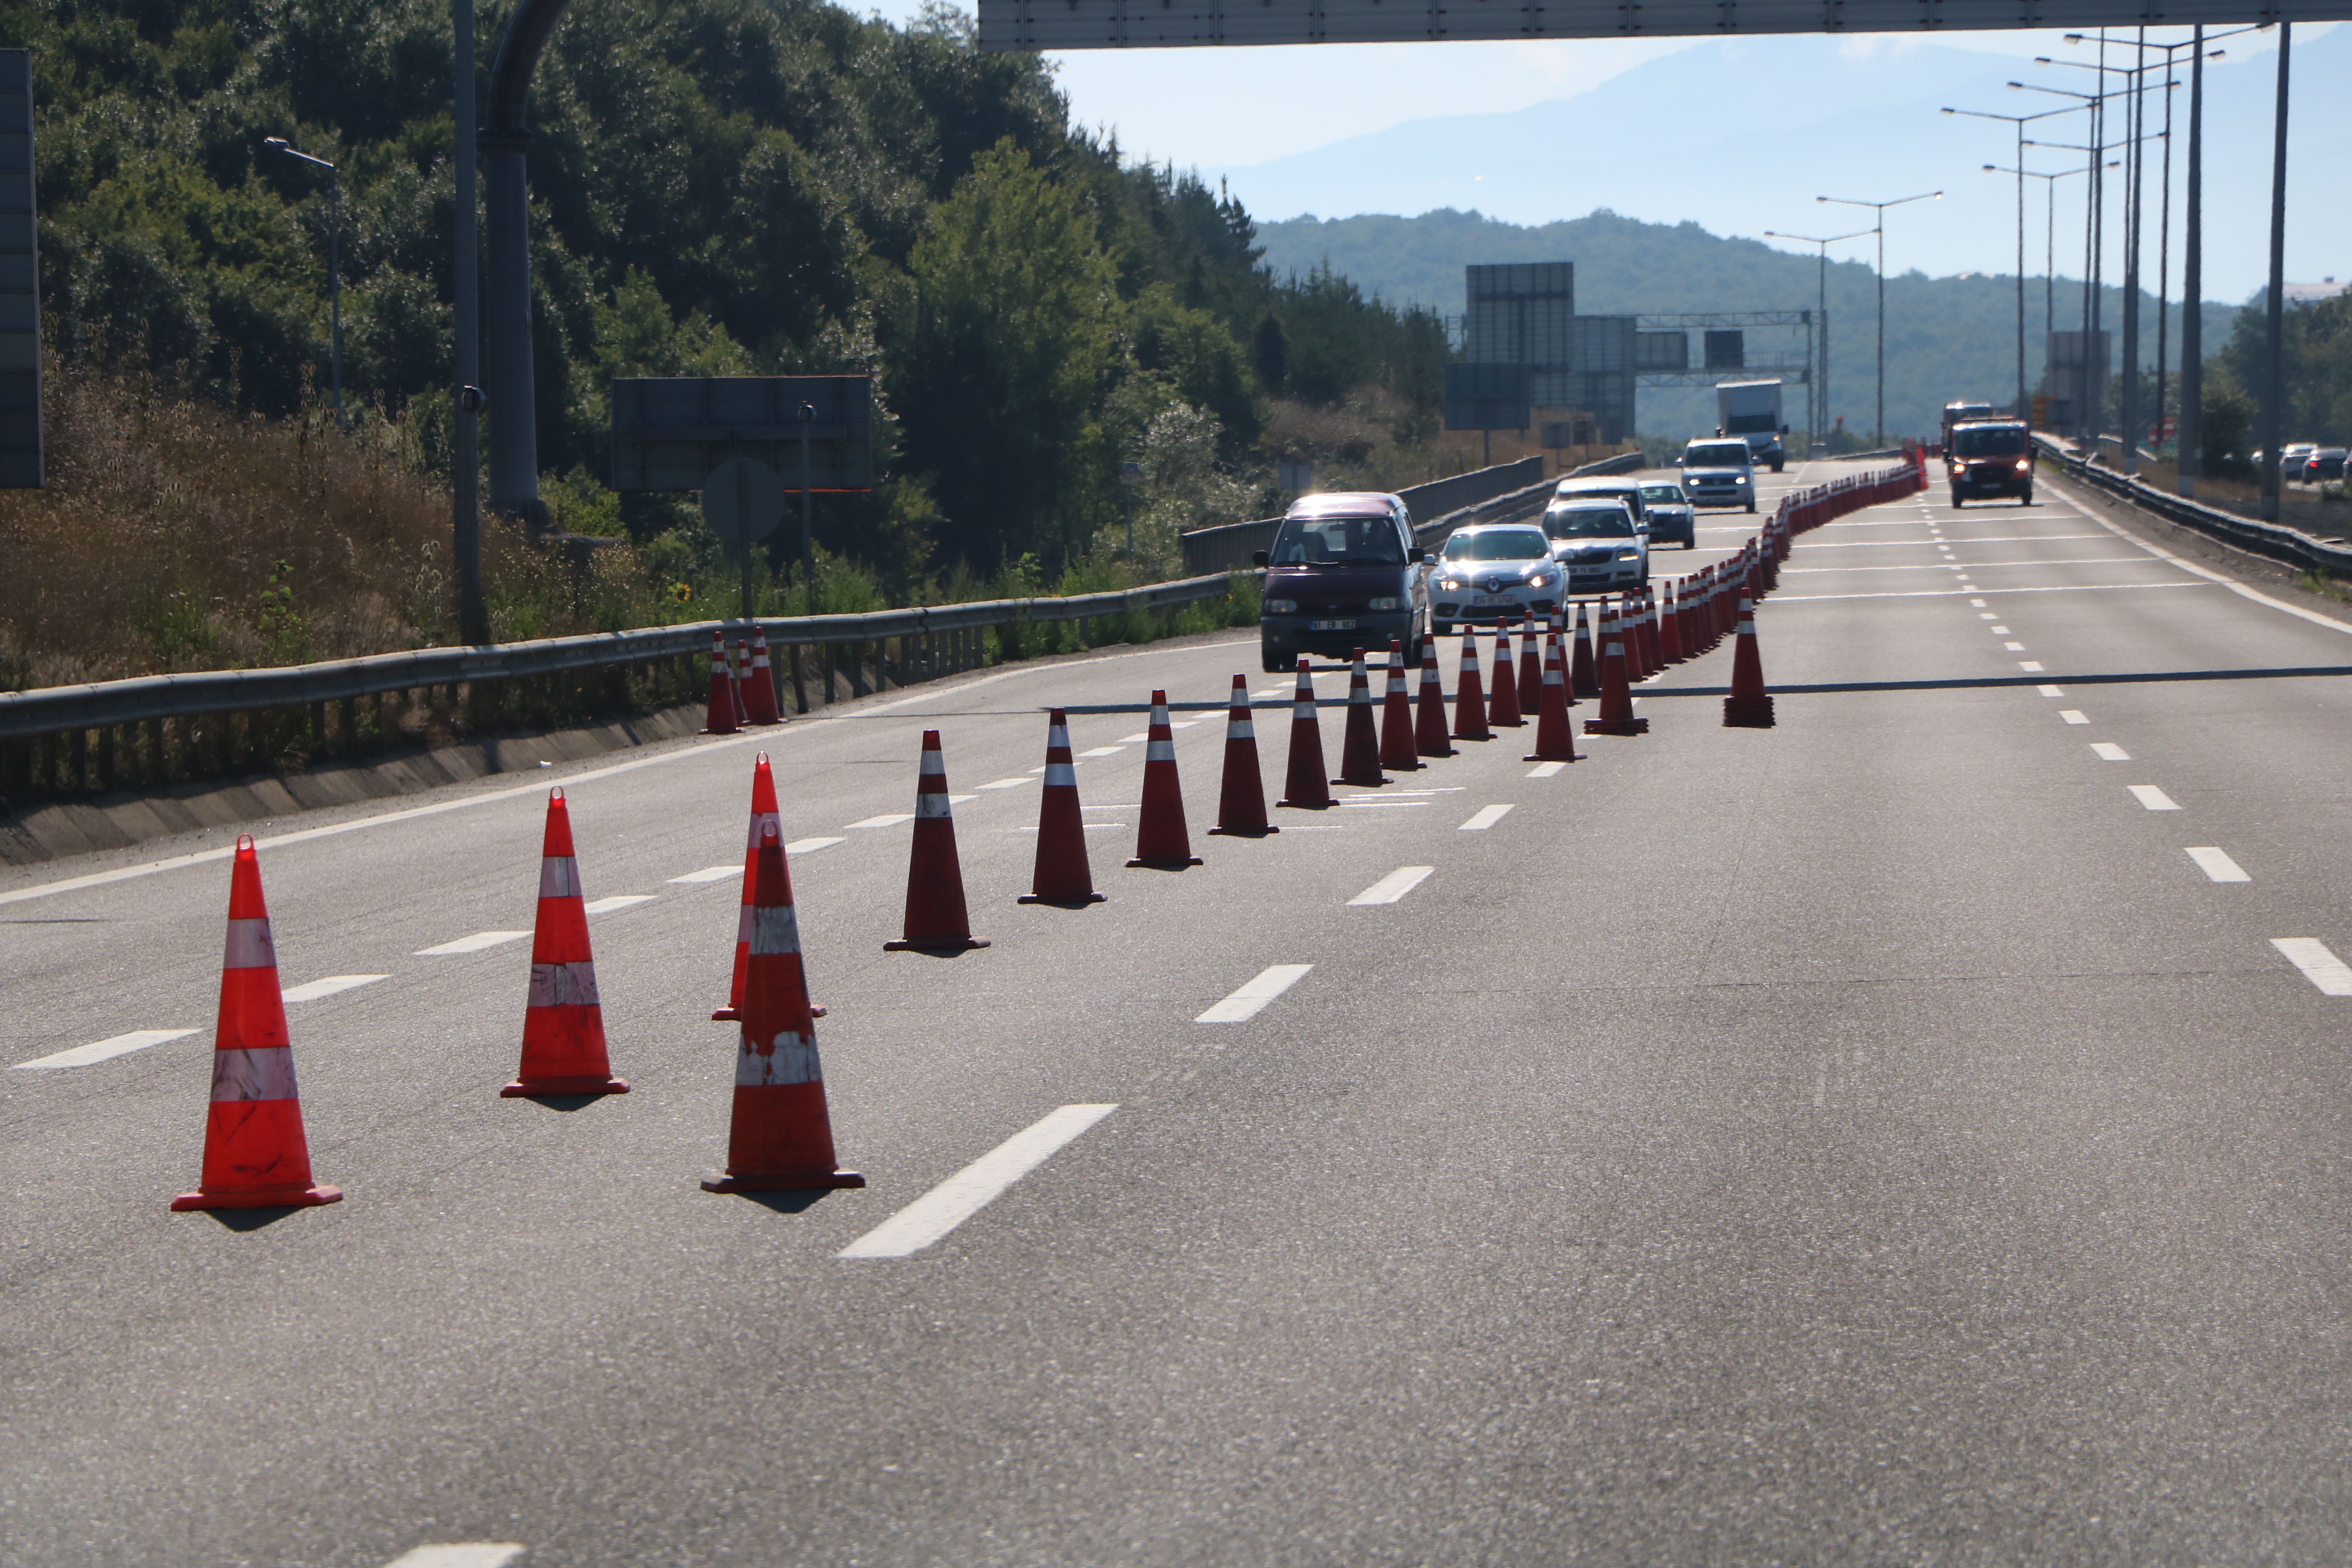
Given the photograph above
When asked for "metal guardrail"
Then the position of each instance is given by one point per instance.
(55, 710)
(2275, 540)
(1229, 546)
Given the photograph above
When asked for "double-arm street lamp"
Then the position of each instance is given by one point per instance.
(1819, 416)
(334, 262)
(1878, 422)
(2021, 122)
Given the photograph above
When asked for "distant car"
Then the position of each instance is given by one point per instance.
(1594, 541)
(1495, 569)
(1991, 457)
(1342, 574)
(1623, 488)
(1672, 516)
(1718, 472)
(2326, 463)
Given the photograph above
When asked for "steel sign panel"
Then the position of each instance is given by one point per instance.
(20, 290)
(670, 433)
(1486, 396)
(1044, 25)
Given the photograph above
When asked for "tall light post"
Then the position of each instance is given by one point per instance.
(334, 262)
(1820, 417)
(1878, 422)
(2021, 122)
(2050, 235)
(464, 292)
(2274, 416)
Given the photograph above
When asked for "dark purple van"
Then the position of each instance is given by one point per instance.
(1343, 574)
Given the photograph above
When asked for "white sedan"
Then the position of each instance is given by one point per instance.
(1493, 570)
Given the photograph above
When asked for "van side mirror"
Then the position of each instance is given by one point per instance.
(1678, 462)
(1784, 429)
(1257, 557)
(1428, 559)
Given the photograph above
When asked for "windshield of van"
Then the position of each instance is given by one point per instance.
(1989, 441)
(1498, 544)
(1338, 542)
(1669, 495)
(1588, 522)
(1715, 455)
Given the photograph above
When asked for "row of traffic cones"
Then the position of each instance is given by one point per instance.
(741, 696)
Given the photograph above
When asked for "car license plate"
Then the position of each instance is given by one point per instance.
(1347, 625)
(1492, 599)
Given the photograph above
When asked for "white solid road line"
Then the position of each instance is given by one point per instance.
(102, 1050)
(1964, 587)
(2319, 966)
(1361, 803)
(2314, 617)
(887, 819)
(2219, 866)
(1484, 819)
(963, 1194)
(2152, 797)
(710, 874)
(1545, 770)
(333, 983)
(1251, 998)
(474, 944)
(804, 846)
(2073, 716)
(1393, 886)
(2107, 750)
(617, 901)
(459, 1554)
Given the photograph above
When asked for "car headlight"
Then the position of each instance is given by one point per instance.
(1282, 606)
(2022, 464)
(1540, 579)
(1451, 584)
(1387, 603)
(1629, 556)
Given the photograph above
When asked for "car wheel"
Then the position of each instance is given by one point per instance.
(2025, 499)
(1751, 507)
(1956, 503)
(1412, 653)
(1776, 464)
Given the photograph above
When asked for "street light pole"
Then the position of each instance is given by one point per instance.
(2274, 354)
(2050, 238)
(1820, 417)
(334, 265)
(466, 459)
(1878, 423)
(2191, 448)
(2021, 122)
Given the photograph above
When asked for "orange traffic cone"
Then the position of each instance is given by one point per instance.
(1750, 706)
(760, 691)
(1616, 694)
(563, 1023)
(1359, 747)
(735, 664)
(720, 717)
(780, 1137)
(1530, 665)
(1555, 736)
(1160, 842)
(1583, 678)
(1670, 626)
(1469, 696)
(937, 920)
(255, 1154)
(1429, 737)
(1642, 651)
(1305, 784)
(1723, 623)
(763, 816)
(1241, 800)
(1062, 875)
(1502, 699)
(1396, 717)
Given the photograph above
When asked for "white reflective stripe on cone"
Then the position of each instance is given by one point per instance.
(249, 946)
(774, 931)
(1241, 729)
(264, 1072)
(932, 803)
(564, 985)
(789, 1059)
(760, 822)
(558, 877)
(1160, 751)
(1057, 735)
(1062, 773)
(935, 764)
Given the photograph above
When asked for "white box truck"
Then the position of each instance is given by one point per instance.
(1751, 411)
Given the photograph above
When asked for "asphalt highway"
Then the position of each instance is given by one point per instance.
(1921, 1132)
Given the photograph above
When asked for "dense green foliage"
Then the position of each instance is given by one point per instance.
(723, 186)
(1946, 337)
(2316, 377)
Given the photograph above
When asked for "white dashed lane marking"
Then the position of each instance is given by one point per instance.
(1251, 998)
(459, 1554)
(1486, 817)
(617, 901)
(2319, 966)
(2073, 716)
(1394, 886)
(2219, 866)
(887, 819)
(474, 944)
(332, 984)
(710, 874)
(106, 1049)
(2031, 666)
(2108, 751)
(970, 1190)
(1006, 784)
(806, 847)
(1102, 751)
(2152, 797)
(2050, 691)
(1545, 770)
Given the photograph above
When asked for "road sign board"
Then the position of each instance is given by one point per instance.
(1037, 25)
(1486, 396)
(742, 501)
(668, 433)
(20, 294)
